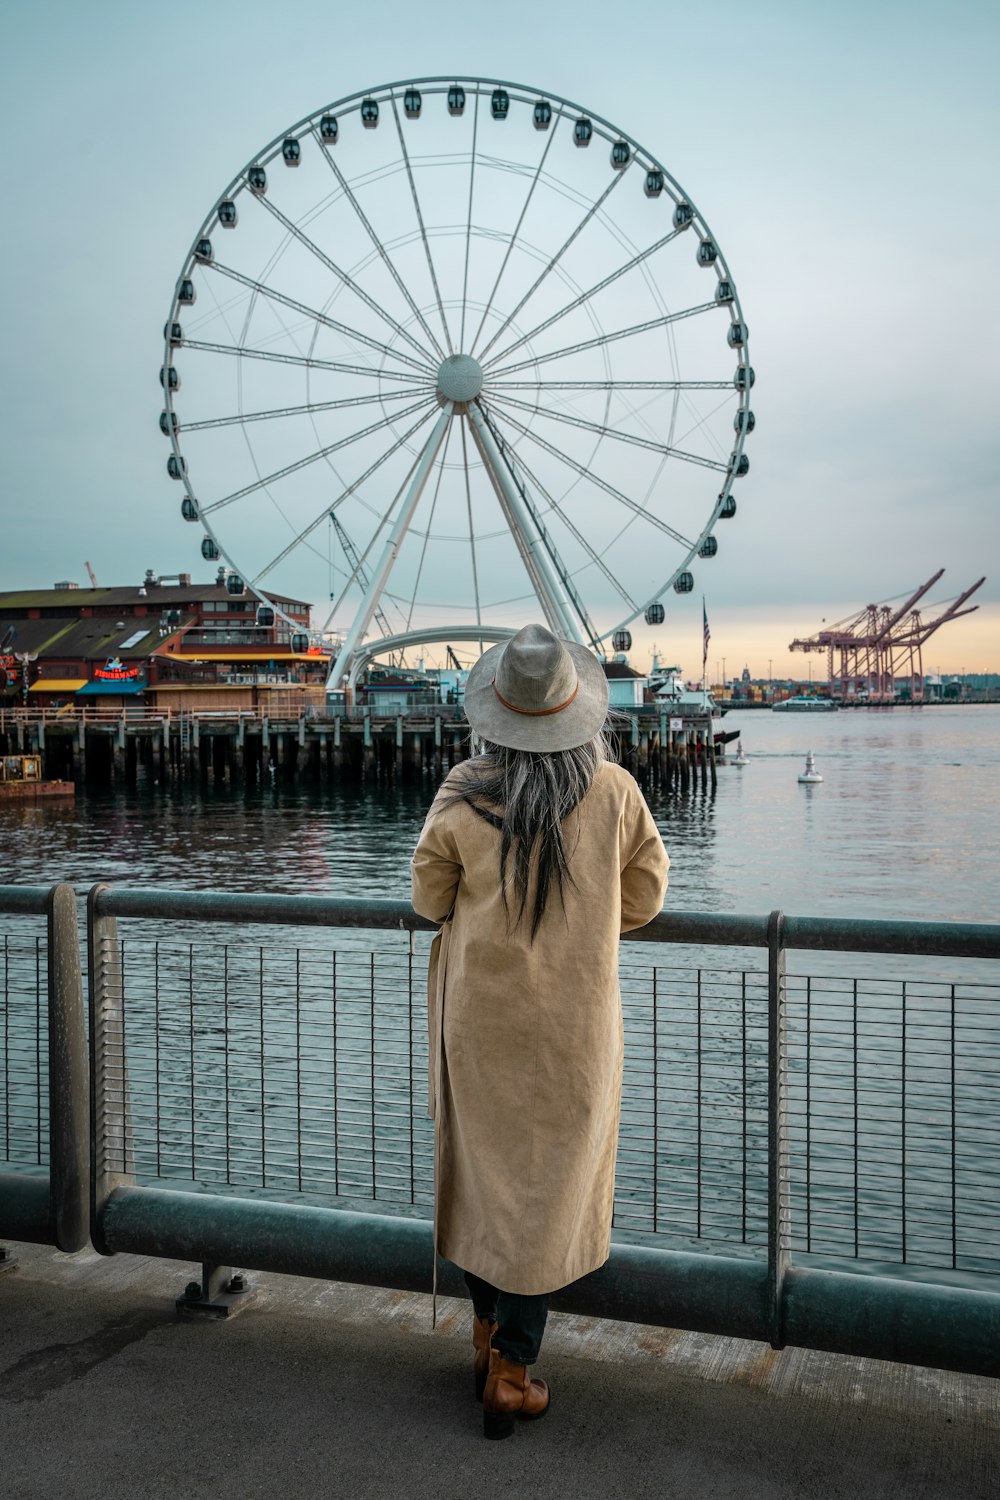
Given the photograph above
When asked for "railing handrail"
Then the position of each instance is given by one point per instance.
(953, 1327)
(725, 929)
(28, 900)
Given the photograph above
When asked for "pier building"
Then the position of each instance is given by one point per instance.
(167, 643)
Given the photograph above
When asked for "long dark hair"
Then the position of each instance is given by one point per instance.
(527, 795)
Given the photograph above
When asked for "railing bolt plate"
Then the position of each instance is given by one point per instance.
(220, 1293)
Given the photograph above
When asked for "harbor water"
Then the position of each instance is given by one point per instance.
(244, 1077)
(905, 824)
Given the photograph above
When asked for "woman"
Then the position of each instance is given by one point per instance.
(535, 856)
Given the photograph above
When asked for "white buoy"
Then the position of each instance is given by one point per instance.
(741, 759)
(810, 775)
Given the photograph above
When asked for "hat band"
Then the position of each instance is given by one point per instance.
(536, 713)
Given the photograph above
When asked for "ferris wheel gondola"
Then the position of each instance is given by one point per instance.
(451, 368)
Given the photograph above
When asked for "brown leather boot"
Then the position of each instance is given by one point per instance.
(511, 1395)
(483, 1330)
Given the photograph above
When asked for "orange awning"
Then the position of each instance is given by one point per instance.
(58, 685)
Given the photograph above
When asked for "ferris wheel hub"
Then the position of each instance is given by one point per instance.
(459, 378)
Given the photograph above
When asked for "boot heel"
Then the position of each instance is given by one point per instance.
(497, 1424)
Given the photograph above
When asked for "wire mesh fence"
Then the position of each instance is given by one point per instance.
(894, 1087)
(24, 1049)
(301, 1071)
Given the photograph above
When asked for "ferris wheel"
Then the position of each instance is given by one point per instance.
(450, 352)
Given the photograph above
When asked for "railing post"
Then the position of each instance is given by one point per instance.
(69, 1147)
(110, 1148)
(778, 1253)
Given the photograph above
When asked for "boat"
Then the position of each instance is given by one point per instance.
(21, 780)
(810, 775)
(803, 704)
(669, 691)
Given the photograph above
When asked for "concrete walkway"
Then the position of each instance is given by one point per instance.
(324, 1390)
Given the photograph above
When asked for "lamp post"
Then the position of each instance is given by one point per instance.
(770, 679)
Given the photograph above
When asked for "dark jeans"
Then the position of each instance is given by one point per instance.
(520, 1320)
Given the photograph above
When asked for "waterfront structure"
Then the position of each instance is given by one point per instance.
(480, 414)
(165, 644)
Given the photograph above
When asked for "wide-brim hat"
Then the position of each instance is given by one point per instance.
(537, 692)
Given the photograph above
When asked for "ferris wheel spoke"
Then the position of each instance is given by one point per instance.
(387, 260)
(546, 569)
(296, 411)
(472, 531)
(600, 286)
(548, 541)
(243, 351)
(610, 385)
(353, 334)
(357, 573)
(575, 532)
(311, 458)
(331, 506)
(468, 224)
(420, 221)
(390, 551)
(581, 469)
(412, 603)
(342, 276)
(513, 239)
(603, 339)
(614, 432)
(546, 270)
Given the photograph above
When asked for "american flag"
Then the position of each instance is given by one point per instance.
(706, 635)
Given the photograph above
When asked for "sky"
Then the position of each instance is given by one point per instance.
(846, 158)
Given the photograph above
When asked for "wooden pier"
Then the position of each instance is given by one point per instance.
(105, 747)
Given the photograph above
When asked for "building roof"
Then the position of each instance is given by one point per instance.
(162, 595)
(616, 671)
(94, 638)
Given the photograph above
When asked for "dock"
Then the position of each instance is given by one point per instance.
(246, 748)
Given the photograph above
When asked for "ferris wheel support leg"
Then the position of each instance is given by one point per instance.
(550, 593)
(381, 574)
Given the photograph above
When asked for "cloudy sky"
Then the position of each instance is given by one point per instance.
(845, 156)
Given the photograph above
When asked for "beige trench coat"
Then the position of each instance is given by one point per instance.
(526, 1038)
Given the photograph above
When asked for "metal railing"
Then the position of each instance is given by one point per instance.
(44, 1136)
(263, 1103)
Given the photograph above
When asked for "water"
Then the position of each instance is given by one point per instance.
(241, 1079)
(904, 825)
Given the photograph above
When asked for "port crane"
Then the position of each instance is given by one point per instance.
(867, 651)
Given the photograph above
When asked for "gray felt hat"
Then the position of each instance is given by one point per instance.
(536, 692)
